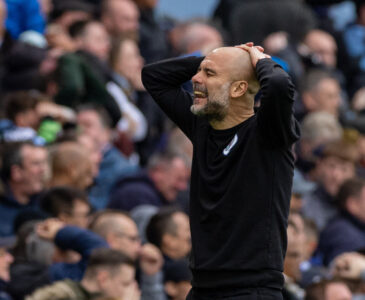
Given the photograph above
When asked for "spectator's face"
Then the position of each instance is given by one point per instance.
(79, 215)
(172, 179)
(182, 239)
(324, 46)
(118, 283)
(91, 125)
(211, 88)
(5, 260)
(327, 96)
(122, 17)
(96, 40)
(333, 171)
(129, 61)
(358, 206)
(125, 237)
(94, 152)
(295, 250)
(337, 291)
(33, 172)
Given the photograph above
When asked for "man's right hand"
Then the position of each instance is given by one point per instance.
(49, 228)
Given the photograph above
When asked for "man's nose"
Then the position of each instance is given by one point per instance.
(196, 78)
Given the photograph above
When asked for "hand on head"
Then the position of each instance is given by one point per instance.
(49, 228)
(256, 52)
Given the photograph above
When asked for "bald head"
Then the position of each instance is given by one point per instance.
(237, 63)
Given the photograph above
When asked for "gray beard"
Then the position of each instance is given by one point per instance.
(215, 109)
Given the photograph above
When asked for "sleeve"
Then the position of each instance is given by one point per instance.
(275, 117)
(80, 240)
(163, 81)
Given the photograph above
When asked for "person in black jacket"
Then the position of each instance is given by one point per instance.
(242, 166)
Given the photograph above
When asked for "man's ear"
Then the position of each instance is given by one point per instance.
(238, 88)
(170, 289)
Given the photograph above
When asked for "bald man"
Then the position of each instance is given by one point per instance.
(242, 166)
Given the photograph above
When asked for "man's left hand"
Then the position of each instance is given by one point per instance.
(256, 52)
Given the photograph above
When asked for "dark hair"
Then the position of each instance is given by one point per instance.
(99, 110)
(61, 199)
(160, 224)
(19, 102)
(105, 258)
(12, 155)
(78, 28)
(350, 188)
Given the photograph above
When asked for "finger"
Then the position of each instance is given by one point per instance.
(249, 44)
(261, 49)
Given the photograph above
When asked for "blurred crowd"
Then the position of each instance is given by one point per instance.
(94, 186)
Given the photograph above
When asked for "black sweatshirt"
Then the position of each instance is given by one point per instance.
(241, 178)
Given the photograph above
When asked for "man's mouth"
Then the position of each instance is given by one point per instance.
(199, 94)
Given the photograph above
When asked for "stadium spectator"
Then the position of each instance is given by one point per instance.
(345, 233)
(109, 273)
(24, 173)
(67, 204)
(169, 231)
(64, 157)
(166, 175)
(337, 163)
(121, 18)
(121, 233)
(95, 123)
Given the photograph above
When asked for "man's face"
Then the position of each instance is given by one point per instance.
(333, 171)
(94, 152)
(211, 89)
(96, 40)
(183, 239)
(328, 96)
(91, 125)
(337, 291)
(129, 61)
(122, 17)
(172, 179)
(324, 46)
(80, 214)
(295, 250)
(119, 282)
(360, 206)
(125, 237)
(34, 169)
(5, 260)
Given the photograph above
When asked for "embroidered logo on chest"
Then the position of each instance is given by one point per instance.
(230, 145)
